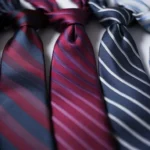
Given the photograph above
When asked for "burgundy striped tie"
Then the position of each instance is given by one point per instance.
(78, 112)
(24, 116)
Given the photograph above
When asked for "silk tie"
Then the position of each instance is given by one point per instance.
(24, 115)
(78, 112)
(140, 9)
(125, 85)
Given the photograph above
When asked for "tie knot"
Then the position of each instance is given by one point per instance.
(30, 18)
(109, 16)
(66, 17)
(140, 9)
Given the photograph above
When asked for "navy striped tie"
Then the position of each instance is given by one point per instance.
(24, 115)
(125, 85)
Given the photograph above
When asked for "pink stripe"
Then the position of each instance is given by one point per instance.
(12, 56)
(80, 126)
(70, 135)
(17, 47)
(79, 100)
(87, 115)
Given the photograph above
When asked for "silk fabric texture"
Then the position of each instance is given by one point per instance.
(24, 113)
(25, 108)
(78, 112)
(125, 84)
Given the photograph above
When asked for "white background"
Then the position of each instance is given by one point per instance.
(94, 31)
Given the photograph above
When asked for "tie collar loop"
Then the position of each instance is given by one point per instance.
(66, 17)
(108, 16)
(140, 10)
(63, 18)
(26, 17)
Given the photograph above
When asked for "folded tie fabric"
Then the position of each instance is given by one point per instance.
(125, 85)
(140, 9)
(24, 115)
(78, 111)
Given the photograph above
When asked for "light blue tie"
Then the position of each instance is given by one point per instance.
(140, 9)
(125, 85)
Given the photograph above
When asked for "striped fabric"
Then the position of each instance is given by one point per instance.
(24, 115)
(125, 85)
(79, 116)
(140, 9)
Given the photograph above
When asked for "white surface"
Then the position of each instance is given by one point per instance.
(94, 31)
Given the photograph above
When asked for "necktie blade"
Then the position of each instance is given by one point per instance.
(24, 114)
(78, 112)
(124, 82)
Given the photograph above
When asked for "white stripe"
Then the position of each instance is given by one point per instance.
(109, 9)
(117, 62)
(94, 4)
(81, 111)
(129, 17)
(122, 80)
(131, 114)
(72, 134)
(132, 47)
(126, 96)
(126, 144)
(64, 143)
(109, 18)
(83, 127)
(122, 51)
(128, 129)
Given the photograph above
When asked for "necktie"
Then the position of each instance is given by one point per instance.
(24, 115)
(78, 112)
(140, 9)
(125, 85)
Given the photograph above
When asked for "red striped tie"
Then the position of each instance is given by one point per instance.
(78, 111)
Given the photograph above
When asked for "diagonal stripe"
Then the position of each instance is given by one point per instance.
(113, 10)
(130, 113)
(12, 56)
(123, 81)
(84, 128)
(125, 96)
(81, 87)
(20, 131)
(72, 134)
(121, 67)
(64, 143)
(88, 116)
(5, 143)
(66, 54)
(35, 107)
(126, 144)
(109, 19)
(127, 128)
(28, 46)
(75, 74)
(122, 51)
(90, 104)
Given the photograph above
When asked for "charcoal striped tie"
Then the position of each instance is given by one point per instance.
(24, 115)
(125, 85)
